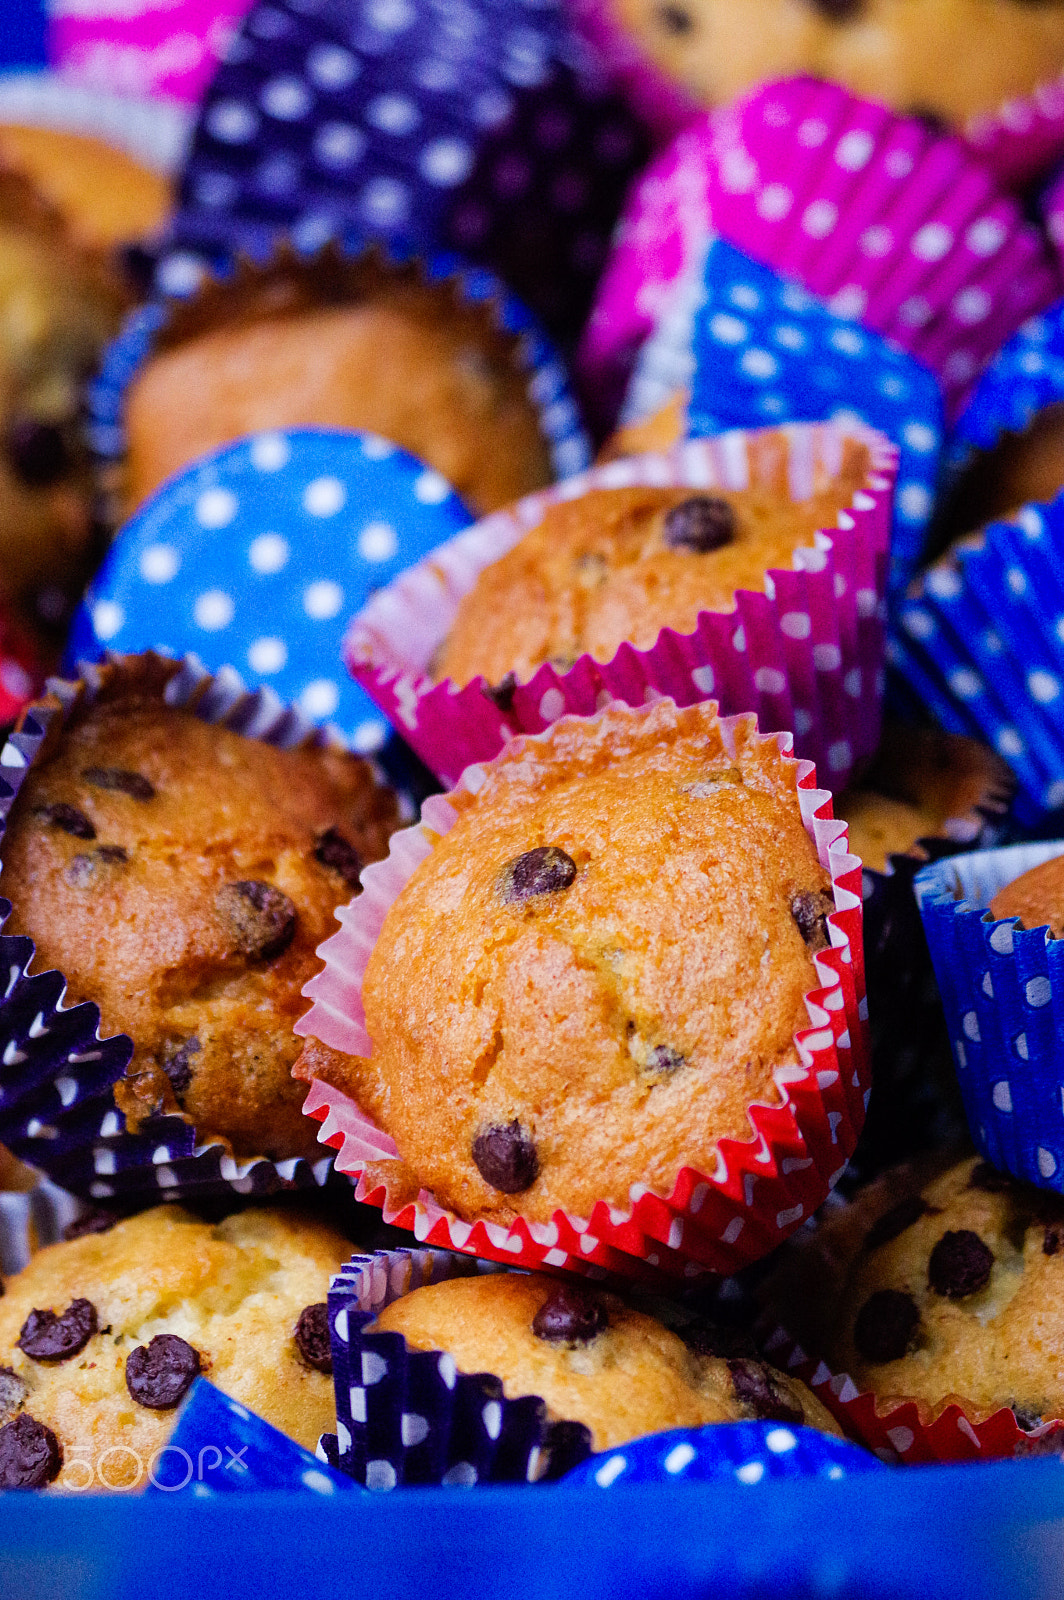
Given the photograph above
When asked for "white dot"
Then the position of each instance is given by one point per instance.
(267, 655)
(854, 150)
(159, 563)
(972, 305)
(385, 201)
(610, 1471)
(320, 698)
(287, 99)
(914, 501)
(774, 202)
(932, 241)
(390, 16)
(431, 488)
(324, 497)
(1039, 991)
(1054, 797)
(752, 1472)
(376, 448)
(1001, 939)
(728, 330)
(970, 1024)
(268, 553)
(107, 618)
(216, 508)
(213, 610)
(313, 1479)
(231, 121)
(270, 452)
(820, 218)
(918, 436)
(966, 683)
(848, 340)
(745, 296)
(759, 363)
(679, 1457)
(393, 113)
(877, 241)
(780, 1440)
(378, 541)
(380, 1475)
(849, 301)
(369, 737)
(1001, 1095)
(338, 144)
(945, 583)
(915, 311)
(985, 236)
(332, 67)
(788, 337)
(323, 599)
(1047, 1164)
(446, 162)
(18, 683)
(1044, 687)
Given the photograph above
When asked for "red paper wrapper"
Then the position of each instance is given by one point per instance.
(760, 1190)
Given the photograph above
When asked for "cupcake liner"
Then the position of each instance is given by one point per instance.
(193, 569)
(733, 1452)
(760, 1189)
(982, 625)
(57, 1073)
(750, 348)
(333, 271)
(478, 127)
(406, 1416)
(806, 655)
(657, 99)
(1052, 210)
(30, 1219)
(889, 222)
(1025, 376)
(153, 132)
(1003, 993)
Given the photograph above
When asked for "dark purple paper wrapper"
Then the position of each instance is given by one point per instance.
(57, 1074)
(408, 1416)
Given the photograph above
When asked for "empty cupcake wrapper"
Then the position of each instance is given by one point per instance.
(805, 655)
(983, 631)
(1002, 989)
(760, 1190)
(406, 1416)
(57, 1074)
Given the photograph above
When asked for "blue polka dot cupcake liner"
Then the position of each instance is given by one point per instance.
(57, 1072)
(749, 348)
(406, 1416)
(1002, 990)
(1025, 376)
(485, 127)
(981, 633)
(725, 1452)
(331, 271)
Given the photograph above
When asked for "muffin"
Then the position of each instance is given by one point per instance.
(615, 566)
(339, 343)
(106, 197)
(181, 875)
(592, 976)
(101, 1338)
(1021, 469)
(595, 1360)
(1036, 897)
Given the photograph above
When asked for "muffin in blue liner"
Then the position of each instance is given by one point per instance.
(729, 1452)
(746, 347)
(259, 555)
(220, 1447)
(984, 628)
(1024, 377)
(1003, 993)
(406, 1416)
(483, 126)
(57, 1073)
(479, 348)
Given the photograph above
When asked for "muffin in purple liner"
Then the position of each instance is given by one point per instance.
(207, 1105)
(482, 126)
(1002, 987)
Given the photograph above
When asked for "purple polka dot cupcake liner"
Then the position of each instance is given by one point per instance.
(1025, 376)
(805, 655)
(406, 1416)
(981, 635)
(486, 127)
(57, 1072)
(1002, 990)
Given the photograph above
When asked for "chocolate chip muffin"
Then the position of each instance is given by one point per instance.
(596, 1360)
(618, 565)
(181, 876)
(1036, 897)
(593, 975)
(340, 344)
(1021, 469)
(102, 1337)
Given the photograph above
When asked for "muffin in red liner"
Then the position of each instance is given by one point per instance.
(760, 1189)
(806, 654)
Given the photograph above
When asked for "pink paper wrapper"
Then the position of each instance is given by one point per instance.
(761, 1189)
(1053, 212)
(887, 221)
(169, 47)
(805, 655)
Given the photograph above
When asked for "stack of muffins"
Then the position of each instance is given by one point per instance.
(598, 1033)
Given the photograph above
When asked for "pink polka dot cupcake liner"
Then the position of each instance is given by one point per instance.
(760, 1190)
(805, 655)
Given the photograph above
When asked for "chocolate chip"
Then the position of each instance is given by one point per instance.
(69, 818)
(570, 1315)
(120, 779)
(665, 1058)
(989, 1179)
(545, 870)
(30, 1456)
(701, 524)
(37, 452)
(960, 1264)
(886, 1325)
(312, 1337)
(340, 856)
(1052, 1239)
(675, 20)
(82, 869)
(838, 10)
(895, 1221)
(810, 911)
(506, 1157)
(47, 1337)
(502, 693)
(758, 1387)
(1026, 1419)
(178, 1067)
(95, 1221)
(260, 917)
(159, 1374)
(12, 1392)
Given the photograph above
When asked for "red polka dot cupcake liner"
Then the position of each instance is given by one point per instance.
(760, 1190)
(805, 655)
